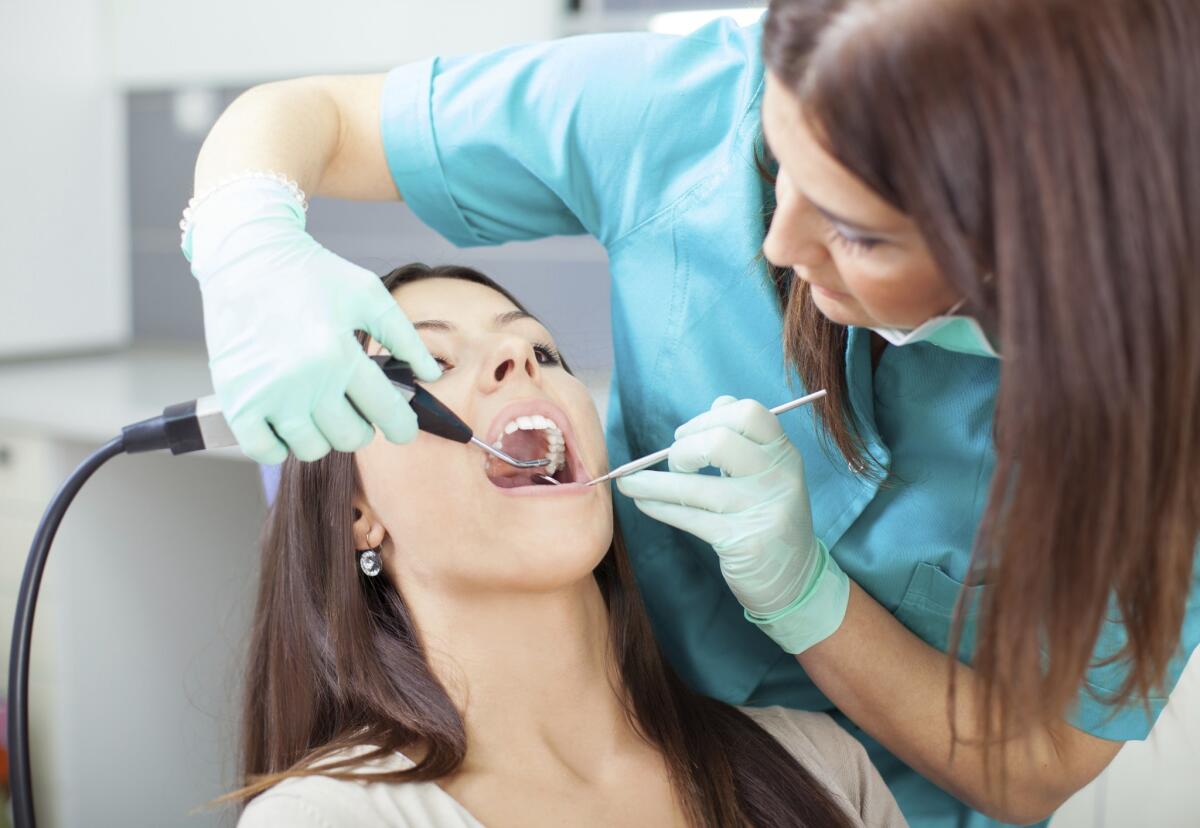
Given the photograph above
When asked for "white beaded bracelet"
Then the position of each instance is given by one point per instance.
(271, 175)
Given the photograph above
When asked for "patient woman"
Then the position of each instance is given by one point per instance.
(442, 640)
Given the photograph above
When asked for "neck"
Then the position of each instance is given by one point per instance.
(531, 673)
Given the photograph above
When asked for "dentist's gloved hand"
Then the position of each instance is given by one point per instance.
(280, 313)
(756, 516)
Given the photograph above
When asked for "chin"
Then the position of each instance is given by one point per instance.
(547, 551)
(552, 567)
(842, 312)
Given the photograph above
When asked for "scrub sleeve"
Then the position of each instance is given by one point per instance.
(648, 142)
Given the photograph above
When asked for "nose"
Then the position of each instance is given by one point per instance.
(796, 235)
(511, 359)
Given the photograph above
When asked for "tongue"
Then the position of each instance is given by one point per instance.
(526, 477)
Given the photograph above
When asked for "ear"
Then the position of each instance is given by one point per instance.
(367, 528)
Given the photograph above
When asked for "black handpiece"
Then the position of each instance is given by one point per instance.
(435, 418)
(432, 414)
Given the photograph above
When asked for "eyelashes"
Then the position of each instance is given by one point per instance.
(545, 354)
(851, 244)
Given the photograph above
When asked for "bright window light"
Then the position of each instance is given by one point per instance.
(686, 22)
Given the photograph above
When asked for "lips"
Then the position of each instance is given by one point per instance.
(577, 471)
(829, 291)
(805, 276)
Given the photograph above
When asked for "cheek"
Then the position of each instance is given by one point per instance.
(412, 489)
(449, 531)
(903, 293)
(589, 431)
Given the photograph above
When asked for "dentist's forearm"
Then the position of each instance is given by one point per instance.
(322, 132)
(894, 686)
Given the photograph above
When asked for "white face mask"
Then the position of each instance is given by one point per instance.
(962, 334)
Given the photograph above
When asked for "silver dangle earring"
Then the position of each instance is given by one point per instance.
(370, 561)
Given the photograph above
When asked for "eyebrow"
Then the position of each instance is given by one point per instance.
(502, 319)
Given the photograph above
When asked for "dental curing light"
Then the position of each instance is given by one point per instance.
(199, 424)
(185, 427)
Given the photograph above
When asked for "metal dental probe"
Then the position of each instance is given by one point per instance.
(659, 456)
(433, 416)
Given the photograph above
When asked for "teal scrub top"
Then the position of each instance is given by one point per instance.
(647, 142)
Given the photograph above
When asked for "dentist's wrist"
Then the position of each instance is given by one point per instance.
(815, 615)
(252, 197)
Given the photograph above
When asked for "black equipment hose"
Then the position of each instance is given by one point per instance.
(20, 778)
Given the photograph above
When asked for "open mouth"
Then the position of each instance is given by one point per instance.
(531, 435)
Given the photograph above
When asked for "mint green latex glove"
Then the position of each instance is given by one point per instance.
(756, 516)
(280, 312)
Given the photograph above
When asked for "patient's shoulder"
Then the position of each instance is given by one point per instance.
(835, 758)
(324, 802)
(804, 732)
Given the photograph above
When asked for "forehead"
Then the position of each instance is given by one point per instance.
(465, 304)
(790, 136)
(795, 142)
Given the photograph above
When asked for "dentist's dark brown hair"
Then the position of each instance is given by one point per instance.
(336, 662)
(1054, 144)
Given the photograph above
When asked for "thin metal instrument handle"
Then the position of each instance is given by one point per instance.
(659, 456)
(508, 458)
(805, 400)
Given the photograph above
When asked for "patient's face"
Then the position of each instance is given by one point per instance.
(456, 518)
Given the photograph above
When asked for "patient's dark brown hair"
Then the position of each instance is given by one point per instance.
(1049, 153)
(336, 662)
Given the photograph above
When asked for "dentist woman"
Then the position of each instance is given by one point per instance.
(984, 239)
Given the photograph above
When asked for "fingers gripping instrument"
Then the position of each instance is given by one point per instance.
(658, 456)
(199, 424)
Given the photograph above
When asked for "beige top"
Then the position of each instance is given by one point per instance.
(829, 753)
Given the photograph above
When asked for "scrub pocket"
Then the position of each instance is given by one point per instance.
(928, 608)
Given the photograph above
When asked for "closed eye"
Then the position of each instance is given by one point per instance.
(851, 242)
(544, 353)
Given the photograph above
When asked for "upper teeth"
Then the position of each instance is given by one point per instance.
(556, 446)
